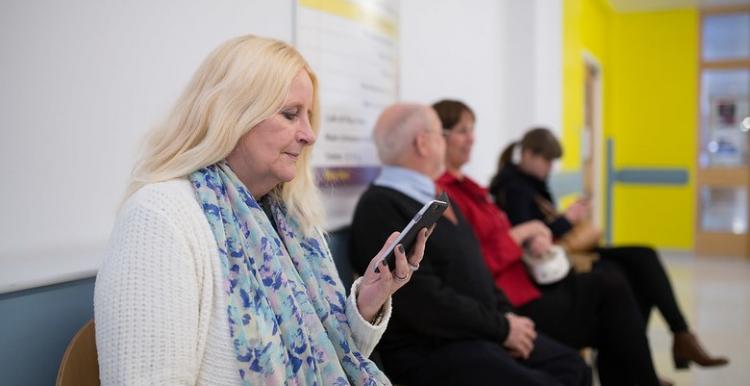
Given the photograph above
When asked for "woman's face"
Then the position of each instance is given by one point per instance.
(535, 164)
(267, 155)
(459, 140)
(436, 145)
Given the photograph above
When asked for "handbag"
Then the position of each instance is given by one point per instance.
(582, 238)
(549, 268)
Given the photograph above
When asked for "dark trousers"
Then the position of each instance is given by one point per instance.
(648, 279)
(480, 362)
(597, 309)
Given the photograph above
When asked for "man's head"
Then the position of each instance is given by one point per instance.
(410, 135)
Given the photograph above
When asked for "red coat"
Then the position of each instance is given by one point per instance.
(492, 227)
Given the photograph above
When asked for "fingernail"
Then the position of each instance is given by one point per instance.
(401, 248)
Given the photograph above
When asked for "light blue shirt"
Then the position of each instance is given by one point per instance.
(409, 182)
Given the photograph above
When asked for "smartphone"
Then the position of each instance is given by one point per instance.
(428, 215)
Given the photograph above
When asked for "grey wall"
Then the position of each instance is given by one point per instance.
(36, 326)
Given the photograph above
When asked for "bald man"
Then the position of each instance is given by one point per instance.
(450, 325)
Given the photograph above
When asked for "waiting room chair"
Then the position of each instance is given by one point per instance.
(79, 365)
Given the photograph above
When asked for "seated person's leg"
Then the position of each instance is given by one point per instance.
(597, 309)
(564, 312)
(649, 281)
(485, 363)
(560, 361)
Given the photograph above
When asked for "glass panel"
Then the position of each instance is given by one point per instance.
(724, 209)
(726, 36)
(724, 117)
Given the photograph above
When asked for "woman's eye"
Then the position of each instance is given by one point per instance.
(290, 114)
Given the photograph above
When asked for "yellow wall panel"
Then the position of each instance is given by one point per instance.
(655, 216)
(584, 33)
(572, 80)
(649, 63)
(652, 119)
(654, 88)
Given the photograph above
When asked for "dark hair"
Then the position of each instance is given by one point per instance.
(539, 141)
(450, 110)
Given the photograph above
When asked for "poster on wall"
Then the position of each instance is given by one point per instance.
(352, 45)
(728, 142)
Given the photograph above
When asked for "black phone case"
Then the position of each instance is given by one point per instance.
(430, 216)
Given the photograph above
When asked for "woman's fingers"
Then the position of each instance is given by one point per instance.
(545, 230)
(418, 251)
(378, 269)
(402, 271)
(376, 265)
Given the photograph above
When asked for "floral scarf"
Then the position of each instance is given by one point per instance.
(286, 308)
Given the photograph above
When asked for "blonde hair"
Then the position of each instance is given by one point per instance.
(241, 83)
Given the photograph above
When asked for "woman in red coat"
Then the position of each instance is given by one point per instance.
(596, 309)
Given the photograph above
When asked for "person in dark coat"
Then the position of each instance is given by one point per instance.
(449, 324)
(521, 190)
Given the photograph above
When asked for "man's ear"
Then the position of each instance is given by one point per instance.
(421, 145)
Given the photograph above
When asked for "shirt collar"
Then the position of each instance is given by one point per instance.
(409, 182)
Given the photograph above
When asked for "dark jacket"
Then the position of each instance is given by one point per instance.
(451, 297)
(517, 192)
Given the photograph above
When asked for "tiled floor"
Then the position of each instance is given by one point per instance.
(715, 296)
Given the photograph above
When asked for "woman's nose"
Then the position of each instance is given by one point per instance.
(305, 134)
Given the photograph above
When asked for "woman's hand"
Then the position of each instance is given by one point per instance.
(525, 231)
(379, 283)
(578, 211)
(539, 245)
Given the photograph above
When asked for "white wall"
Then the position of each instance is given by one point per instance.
(534, 79)
(81, 82)
(520, 80)
(547, 62)
(502, 58)
(455, 49)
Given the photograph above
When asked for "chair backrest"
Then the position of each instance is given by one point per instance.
(338, 241)
(79, 365)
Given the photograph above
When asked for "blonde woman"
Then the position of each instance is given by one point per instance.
(217, 272)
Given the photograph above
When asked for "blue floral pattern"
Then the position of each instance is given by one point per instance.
(286, 308)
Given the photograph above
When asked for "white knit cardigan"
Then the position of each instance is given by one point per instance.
(160, 303)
